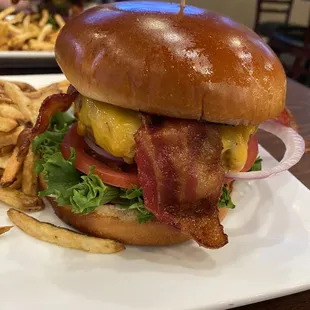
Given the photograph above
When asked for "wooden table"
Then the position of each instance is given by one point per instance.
(298, 101)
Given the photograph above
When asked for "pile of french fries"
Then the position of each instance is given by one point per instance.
(28, 32)
(19, 106)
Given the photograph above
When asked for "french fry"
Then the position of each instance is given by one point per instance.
(4, 48)
(4, 159)
(4, 229)
(18, 18)
(9, 111)
(20, 201)
(44, 18)
(59, 20)
(18, 97)
(17, 184)
(4, 31)
(26, 22)
(61, 236)
(6, 12)
(14, 29)
(40, 46)
(10, 138)
(35, 17)
(25, 87)
(5, 150)
(7, 124)
(18, 41)
(29, 178)
(14, 165)
(47, 29)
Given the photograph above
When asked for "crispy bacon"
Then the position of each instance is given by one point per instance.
(179, 167)
(286, 118)
(51, 105)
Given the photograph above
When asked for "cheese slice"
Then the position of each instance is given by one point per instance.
(113, 129)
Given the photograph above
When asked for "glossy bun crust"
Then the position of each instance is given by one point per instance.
(155, 57)
(110, 222)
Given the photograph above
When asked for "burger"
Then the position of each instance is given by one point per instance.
(167, 101)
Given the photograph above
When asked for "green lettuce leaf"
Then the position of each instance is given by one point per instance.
(257, 166)
(225, 200)
(132, 199)
(90, 193)
(60, 175)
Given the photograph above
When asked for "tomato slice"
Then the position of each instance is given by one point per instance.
(120, 178)
(252, 153)
(84, 161)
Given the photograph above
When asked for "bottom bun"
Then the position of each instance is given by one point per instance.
(110, 222)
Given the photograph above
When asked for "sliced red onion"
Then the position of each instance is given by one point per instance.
(295, 148)
(101, 152)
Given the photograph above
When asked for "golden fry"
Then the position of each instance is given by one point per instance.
(25, 87)
(17, 184)
(18, 18)
(61, 236)
(14, 29)
(40, 46)
(37, 97)
(20, 201)
(4, 159)
(4, 229)
(44, 18)
(18, 97)
(47, 29)
(4, 150)
(7, 12)
(4, 31)
(14, 165)
(59, 20)
(29, 179)
(18, 41)
(35, 17)
(9, 111)
(26, 22)
(7, 124)
(4, 48)
(10, 138)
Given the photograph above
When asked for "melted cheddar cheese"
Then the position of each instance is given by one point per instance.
(113, 129)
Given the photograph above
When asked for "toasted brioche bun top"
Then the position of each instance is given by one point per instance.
(158, 58)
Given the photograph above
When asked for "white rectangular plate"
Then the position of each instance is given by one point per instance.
(267, 256)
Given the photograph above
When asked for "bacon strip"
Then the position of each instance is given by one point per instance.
(286, 118)
(51, 105)
(179, 167)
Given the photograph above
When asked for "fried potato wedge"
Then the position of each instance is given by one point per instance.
(19, 98)
(61, 236)
(10, 111)
(4, 229)
(13, 166)
(29, 178)
(21, 201)
(7, 124)
(10, 138)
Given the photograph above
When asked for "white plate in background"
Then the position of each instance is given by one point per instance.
(267, 256)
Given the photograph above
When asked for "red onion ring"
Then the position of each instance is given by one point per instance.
(101, 152)
(295, 148)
